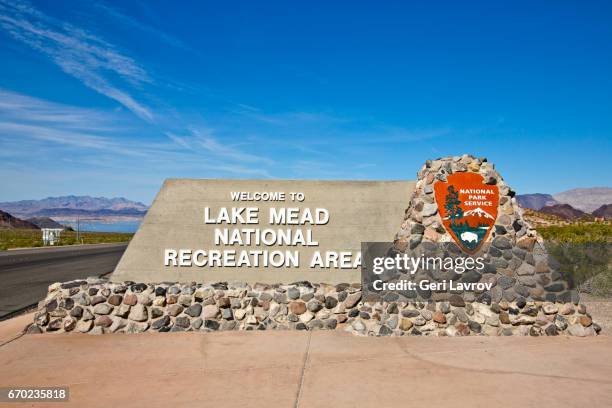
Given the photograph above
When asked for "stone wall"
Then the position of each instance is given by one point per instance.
(517, 264)
(98, 306)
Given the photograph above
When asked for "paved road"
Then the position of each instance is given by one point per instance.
(26, 274)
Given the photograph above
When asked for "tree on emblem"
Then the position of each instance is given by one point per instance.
(452, 205)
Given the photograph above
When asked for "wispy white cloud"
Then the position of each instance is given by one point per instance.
(25, 118)
(360, 130)
(126, 20)
(34, 131)
(242, 171)
(25, 109)
(77, 52)
(394, 134)
(69, 138)
(204, 140)
(180, 141)
(290, 118)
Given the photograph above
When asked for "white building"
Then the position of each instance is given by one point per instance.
(51, 236)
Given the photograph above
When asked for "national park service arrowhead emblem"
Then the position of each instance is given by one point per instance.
(468, 208)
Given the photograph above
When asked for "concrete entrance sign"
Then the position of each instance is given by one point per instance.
(261, 255)
(262, 230)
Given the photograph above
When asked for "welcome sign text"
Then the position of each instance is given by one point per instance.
(284, 227)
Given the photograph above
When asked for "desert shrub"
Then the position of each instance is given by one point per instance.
(15, 238)
(583, 253)
(579, 233)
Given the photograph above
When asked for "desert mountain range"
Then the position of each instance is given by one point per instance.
(584, 199)
(584, 204)
(579, 203)
(73, 206)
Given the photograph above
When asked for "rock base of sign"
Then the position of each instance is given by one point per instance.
(517, 264)
(97, 306)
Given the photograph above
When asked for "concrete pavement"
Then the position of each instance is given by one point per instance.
(309, 369)
(26, 274)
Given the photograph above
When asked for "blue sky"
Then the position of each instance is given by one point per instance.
(110, 98)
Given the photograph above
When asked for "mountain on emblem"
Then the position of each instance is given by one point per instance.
(478, 212)
(468, 208)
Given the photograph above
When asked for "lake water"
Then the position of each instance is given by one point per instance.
(106, 226)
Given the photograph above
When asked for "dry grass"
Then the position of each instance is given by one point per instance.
(18, 238)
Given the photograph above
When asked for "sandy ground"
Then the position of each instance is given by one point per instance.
(300, 369)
